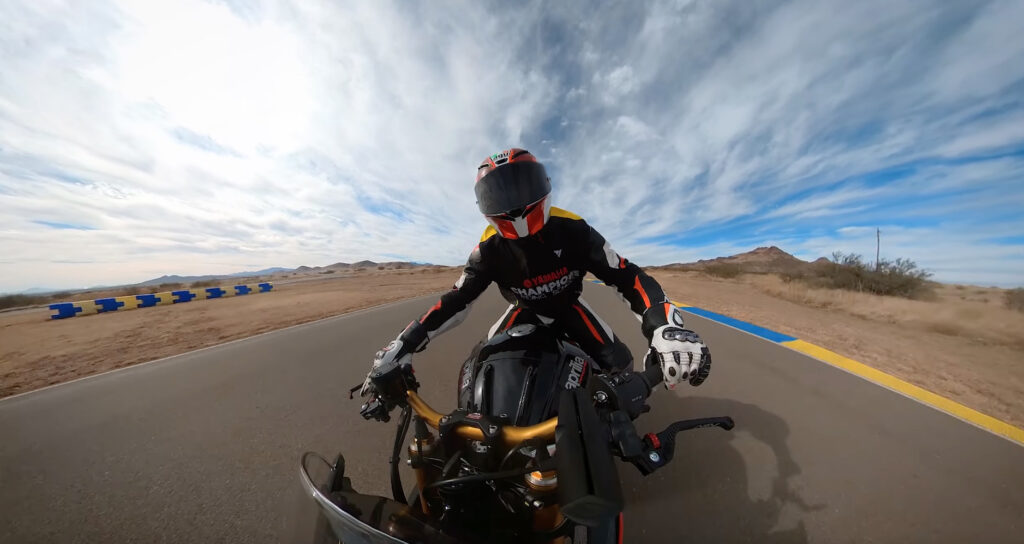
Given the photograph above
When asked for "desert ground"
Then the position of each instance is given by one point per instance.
(36, 351)
(961, 343)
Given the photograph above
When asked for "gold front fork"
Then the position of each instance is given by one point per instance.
(419, 449)
(546, 519)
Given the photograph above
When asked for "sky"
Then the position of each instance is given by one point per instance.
(146, 138)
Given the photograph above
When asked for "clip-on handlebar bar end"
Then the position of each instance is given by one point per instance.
(375, 408)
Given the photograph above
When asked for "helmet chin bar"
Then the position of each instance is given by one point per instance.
(522, 229)
(526, 225)
(508, 228)
(530, 222)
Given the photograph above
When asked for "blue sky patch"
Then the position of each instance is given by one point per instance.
(201, 141)
(62, 226)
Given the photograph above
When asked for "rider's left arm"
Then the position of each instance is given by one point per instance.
(681, 353)
(643, 293)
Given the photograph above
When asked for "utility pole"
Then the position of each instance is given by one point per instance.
(878, 246)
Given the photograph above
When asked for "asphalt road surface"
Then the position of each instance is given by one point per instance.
(204, 447)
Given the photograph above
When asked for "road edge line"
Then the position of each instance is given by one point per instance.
(920, 394)
(923, 396)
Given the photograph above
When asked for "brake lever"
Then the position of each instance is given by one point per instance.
(658, 449)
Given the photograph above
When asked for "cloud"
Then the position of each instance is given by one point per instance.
(202, 137)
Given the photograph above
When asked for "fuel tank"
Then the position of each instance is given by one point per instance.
(519, 374)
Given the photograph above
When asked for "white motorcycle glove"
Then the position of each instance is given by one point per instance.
(682, 355)
(386, 360)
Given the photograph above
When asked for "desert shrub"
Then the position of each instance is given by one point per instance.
(1014, 299)
(794, 274)
(327, 272)
(723, 270)
(205, 283)
(380, 267)
(169, 286)
(16, 301)
(900, 277)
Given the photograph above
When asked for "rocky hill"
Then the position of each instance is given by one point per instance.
(762, 260)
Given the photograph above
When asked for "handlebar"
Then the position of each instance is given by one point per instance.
(510, 435)
(621, 397)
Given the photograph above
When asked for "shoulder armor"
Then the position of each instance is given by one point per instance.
(491, 231)
(559, 212)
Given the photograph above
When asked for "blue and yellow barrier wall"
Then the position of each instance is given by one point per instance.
(64, 310)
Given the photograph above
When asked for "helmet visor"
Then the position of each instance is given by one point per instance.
(512, 187)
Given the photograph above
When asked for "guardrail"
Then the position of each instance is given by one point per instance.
(65, 310)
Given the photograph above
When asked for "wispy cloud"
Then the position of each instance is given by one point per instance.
(197, 137)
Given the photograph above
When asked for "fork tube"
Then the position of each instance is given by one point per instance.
(546, 519)
(423, 444)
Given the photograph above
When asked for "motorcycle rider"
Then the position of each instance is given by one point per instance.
(538, 255)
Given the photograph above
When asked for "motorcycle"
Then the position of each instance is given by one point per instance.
(528, 455)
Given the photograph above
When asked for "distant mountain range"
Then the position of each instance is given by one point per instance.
(190, 279)
(362, 265)
(38, 291)
(277, 270)
(264, 273)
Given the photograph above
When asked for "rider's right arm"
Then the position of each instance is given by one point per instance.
(451, 310)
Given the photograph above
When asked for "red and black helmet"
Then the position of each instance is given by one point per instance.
(512, 190)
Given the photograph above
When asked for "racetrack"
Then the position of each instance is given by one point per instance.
(204, 447)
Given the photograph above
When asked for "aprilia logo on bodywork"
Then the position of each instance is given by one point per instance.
(577, 369)
(466, 376)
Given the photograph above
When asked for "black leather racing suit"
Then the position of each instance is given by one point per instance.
(542, 277)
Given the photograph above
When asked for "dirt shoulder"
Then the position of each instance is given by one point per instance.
(36, 351)
(962, 345)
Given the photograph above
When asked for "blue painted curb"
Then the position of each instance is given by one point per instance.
(751, 328)
(767, 334)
